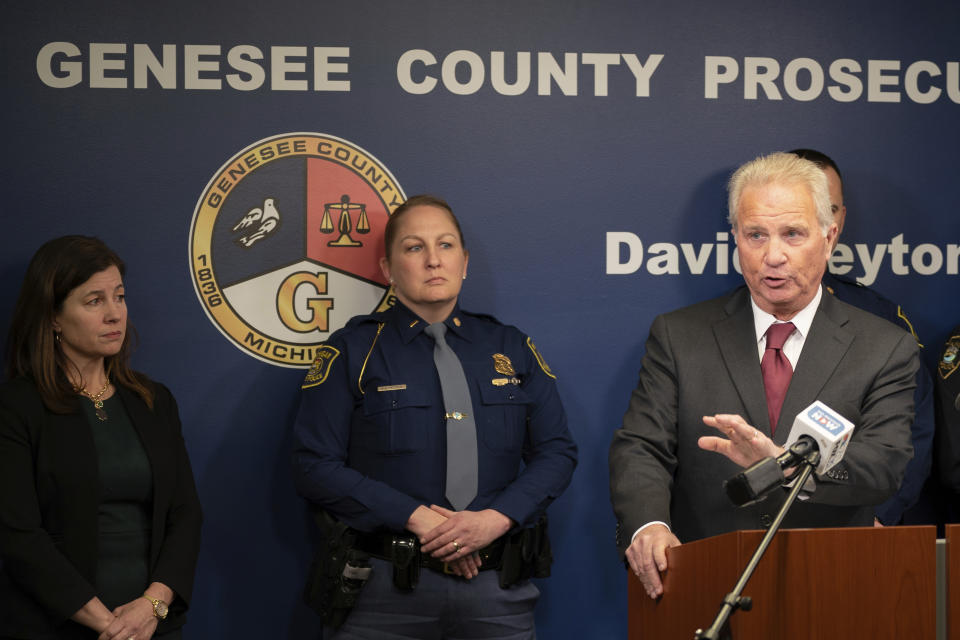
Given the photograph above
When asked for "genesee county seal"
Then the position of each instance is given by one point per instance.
(285, 242)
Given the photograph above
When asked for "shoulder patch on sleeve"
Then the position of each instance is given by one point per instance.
(321, 366)
(949, 360)
(540, 360)
(481, 316)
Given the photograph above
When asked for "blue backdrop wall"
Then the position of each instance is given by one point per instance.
(584, 145)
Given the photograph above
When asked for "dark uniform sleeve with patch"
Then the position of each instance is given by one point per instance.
(948, 413)
(322, 439)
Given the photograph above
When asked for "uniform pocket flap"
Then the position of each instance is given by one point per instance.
(507, 394)
(393, 397)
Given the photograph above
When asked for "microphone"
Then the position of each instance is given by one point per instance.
(827, 428)
(816, 430)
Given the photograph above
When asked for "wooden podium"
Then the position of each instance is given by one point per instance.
(811, 584)
(952, 582)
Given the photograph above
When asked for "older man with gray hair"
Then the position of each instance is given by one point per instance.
(729, 375)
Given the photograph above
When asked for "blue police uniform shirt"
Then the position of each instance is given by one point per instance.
(922, 429)
(370, 434)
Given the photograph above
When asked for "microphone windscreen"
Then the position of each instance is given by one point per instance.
(828, 428)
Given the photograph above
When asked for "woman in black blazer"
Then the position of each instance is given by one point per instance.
(99, 516)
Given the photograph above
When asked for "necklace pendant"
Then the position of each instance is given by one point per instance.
(97, 400)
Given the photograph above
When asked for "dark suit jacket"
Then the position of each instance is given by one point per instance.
(49, 494)
(702, 360)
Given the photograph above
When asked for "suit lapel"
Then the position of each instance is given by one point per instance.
(738, 348)
(822, 351)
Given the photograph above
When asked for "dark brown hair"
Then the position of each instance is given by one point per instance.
(390, 233)
(57, 268)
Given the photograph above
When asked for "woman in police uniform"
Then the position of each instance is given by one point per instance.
(378, 409)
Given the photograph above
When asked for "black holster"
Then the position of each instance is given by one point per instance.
(405, 556)
(526, 554)
(338, 572)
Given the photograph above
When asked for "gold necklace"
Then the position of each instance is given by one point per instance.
(98, 399)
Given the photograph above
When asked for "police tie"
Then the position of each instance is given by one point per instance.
(776, 370)
(461, 428)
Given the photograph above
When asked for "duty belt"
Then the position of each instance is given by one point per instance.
(381, 545)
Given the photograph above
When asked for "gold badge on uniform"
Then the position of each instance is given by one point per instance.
(321, 366)
(540, 360)
(950, 360)
(502, 364)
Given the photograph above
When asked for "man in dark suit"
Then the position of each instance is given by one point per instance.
(702, 373)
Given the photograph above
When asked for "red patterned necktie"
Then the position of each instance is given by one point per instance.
(776, 370)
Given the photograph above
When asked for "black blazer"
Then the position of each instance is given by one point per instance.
(49, 494)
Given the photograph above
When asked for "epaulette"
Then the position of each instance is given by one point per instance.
(862, 289)
(481, 316)
(871, 300)
(371, 318)
(845, 280)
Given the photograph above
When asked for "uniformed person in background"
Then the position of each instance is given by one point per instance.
(948, 425)
(436, 439)
(852, 292)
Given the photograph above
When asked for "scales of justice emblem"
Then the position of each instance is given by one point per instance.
(345, 224)
(285, 243)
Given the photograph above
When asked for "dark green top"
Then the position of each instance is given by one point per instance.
(126, 485)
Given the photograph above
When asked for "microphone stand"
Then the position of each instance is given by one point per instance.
(720, 629)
